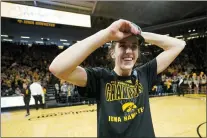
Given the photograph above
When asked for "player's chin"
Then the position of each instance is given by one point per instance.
(127, 67)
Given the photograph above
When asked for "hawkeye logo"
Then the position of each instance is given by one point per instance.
(129, 107)
(124, 92)
(130, 112)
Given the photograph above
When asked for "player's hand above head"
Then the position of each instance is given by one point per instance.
(121, 29)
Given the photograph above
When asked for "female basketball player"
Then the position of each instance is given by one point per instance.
(122, 94)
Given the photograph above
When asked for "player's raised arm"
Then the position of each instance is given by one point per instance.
(171, 46)
(66, 65)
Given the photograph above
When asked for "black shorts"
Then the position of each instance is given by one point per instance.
(203, 84)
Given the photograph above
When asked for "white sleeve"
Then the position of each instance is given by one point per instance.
(181, 80)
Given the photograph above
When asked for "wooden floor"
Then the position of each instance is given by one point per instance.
(172, 117)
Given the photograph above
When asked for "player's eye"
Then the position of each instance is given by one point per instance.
(134, 47)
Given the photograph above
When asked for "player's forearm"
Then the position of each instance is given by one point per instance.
(69, 59)
(163, 41)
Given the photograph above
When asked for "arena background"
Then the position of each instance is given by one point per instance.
(31, 37)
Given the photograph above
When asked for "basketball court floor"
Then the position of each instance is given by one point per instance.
(172, 116)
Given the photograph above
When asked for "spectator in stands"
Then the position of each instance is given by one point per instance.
(180, 87)
(71, 89)
(190, 84)
(44, 94)
(196, 83)
(57, 92)
(63, 95)
(163, 79)
(18, 91)
(168, 85)
(174, 84)
(203, 82)
(64, 87)
(154, 90)
(160, 89)
(185, 83)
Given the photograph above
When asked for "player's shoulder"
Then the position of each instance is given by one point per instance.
(99, 71)
(145, 66)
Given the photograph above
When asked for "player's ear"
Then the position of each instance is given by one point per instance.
(112, 50)
(112, 54)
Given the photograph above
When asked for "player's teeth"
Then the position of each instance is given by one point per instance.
(127, 58)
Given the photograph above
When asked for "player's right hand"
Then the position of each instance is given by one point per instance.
(121, 29)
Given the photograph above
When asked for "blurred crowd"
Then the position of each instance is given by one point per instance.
(22, 63)
(187, 72)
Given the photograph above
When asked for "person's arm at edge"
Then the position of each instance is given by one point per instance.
(172, 48)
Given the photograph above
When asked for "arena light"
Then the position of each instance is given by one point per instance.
(40, 42)
(10, 40)
(24, 41)
(60, 47)
(66, 43)
(63, 40)
(17, 11)
(194, 34)
(179, 36)
(26, 37)
(46, 38)
(4, 35)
